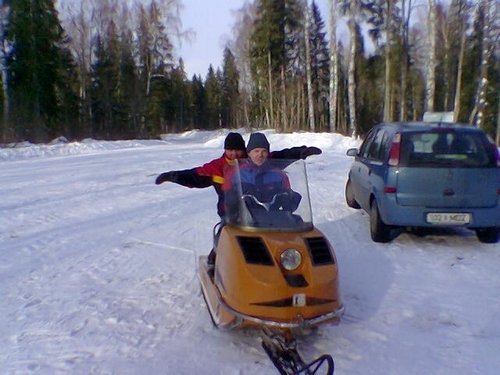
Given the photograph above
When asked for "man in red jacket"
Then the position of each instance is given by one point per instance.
(212, 173)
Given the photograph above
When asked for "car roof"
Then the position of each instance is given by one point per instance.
(425, 126)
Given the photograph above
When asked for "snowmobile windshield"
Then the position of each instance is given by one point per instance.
(273, 196)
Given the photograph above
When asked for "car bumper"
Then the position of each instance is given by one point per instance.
(393, 213)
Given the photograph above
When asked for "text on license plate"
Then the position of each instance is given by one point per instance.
(448, 218)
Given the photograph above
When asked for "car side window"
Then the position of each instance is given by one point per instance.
(376, 149)
(365, 147)
(386, 145)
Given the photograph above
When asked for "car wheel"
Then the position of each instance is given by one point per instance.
(379, 231)
(488, 235)
(349, 195)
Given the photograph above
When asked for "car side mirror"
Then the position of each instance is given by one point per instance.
(352, 152)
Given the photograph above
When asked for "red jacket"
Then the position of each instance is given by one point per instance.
(216, 169)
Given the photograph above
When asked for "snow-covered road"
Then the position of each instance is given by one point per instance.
(97, 271)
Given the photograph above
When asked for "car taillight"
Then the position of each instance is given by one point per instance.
(395, 150)
(390, 189)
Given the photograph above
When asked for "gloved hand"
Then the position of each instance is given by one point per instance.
(280, 201)
(310, 151)
(167, 176)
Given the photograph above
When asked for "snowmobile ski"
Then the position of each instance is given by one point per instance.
(284, 354)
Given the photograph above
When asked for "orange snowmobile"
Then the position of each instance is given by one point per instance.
(273, 268)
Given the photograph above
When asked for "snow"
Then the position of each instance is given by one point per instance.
(98, 270)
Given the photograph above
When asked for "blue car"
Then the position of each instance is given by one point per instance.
(414, 175)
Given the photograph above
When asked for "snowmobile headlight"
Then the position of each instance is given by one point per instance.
(291, 259)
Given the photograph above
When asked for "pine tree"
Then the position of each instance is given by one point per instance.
(320, 68)
(177, 101)
(276, 55)
(199, 102)
(213, 95)
(37, 63)
(105, 81)
(129, 95)
(230, 91)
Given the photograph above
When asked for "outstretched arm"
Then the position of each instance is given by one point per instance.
(187, 177)
(295, 153)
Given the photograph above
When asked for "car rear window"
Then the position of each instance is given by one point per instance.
(445, 149)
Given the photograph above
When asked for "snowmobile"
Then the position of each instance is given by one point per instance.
(273, 269)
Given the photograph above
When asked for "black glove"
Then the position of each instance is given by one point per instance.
(308, 151)
(167, 176)
(288, 201)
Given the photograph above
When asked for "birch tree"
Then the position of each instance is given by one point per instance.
(431, 62)
(388, 110)
(487, 8)
(406, 8)
(156, 47)
(461, 8)
(353, 25)
(310, 102)
(240, 46)
(79, 26)
(334, 72)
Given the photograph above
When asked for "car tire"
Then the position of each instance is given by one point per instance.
(349, 195)
(488, 235)
(379, 231)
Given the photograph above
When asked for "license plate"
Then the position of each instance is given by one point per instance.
(448, 218)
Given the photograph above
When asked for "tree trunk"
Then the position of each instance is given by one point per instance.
(270, 119)
(446, 62)
(458, 87)
(334, 70)
(284, 118)
(310, 102)
(405, 26)
(431, 63)
(351, 73)
(388, 62)
(477, 115)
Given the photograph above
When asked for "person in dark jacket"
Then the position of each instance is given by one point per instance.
(264, 182)
(212, 173)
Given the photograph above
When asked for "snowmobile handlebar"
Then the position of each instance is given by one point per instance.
(266, 205)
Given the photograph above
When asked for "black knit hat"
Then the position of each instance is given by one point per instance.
(234, 141)
(257, 140)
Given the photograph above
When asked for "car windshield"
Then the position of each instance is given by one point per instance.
(446, 148)
(273, 196)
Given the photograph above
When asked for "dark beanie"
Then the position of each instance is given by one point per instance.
(257, 140)
(234, 141)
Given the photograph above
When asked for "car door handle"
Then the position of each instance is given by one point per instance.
(448, 192)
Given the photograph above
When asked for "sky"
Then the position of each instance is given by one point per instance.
(98, 270)
(212, 21)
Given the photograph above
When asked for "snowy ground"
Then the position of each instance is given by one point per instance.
(97, 271)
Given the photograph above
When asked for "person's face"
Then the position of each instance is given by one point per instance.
(235, 154)
(258, 156)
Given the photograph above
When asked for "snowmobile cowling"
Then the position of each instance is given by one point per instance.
(273, 267)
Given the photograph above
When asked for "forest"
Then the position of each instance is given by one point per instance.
(106, 69)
